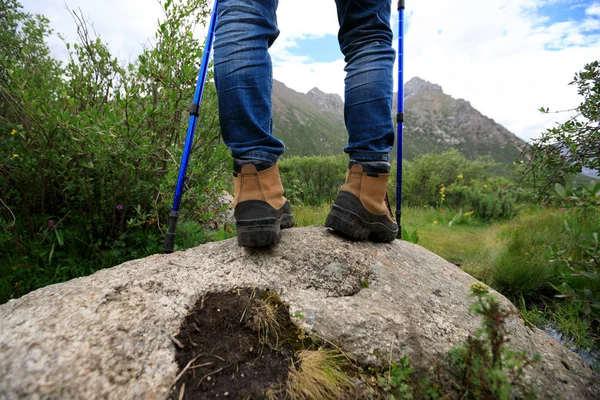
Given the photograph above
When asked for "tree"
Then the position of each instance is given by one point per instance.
(90, 146)
(567, 148)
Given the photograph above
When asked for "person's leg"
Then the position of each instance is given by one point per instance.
(365, 39)
(361, 209)
(243, 76)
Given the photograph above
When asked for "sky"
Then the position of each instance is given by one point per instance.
(507, 57)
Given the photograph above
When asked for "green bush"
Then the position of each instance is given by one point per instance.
(581, 280)
(438, 180)
(427, 173)
(90, 153)
(449, 179)
(313, 180)
(488, 201)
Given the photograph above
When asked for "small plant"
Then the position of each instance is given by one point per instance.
(412, 237)
(460, 218)
(484, 366)
(396, 381)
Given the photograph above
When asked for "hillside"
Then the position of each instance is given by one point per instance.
(313, 123)
(437, 121)
(309, 124)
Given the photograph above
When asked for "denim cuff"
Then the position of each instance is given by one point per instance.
(370, 156)
(259, 155)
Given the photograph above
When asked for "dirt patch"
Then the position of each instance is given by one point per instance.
(235, 345)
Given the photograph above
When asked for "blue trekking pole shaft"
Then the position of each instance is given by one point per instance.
(400, 116)
(189, 140)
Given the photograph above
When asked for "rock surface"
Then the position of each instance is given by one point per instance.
(109, 335)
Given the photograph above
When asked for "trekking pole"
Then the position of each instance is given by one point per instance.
(400, 116)
(189, 140)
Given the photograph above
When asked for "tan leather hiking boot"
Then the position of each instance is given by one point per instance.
(361, 209)
(260, 210)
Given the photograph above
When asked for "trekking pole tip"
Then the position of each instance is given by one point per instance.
(169, 244)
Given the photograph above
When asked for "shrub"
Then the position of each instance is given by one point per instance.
(581, 279)
(566, 149)
(90, 159)
(487, 368)
(449, 179)
(313, 180)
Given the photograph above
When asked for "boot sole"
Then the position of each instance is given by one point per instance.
(352, 225)
(262, 232)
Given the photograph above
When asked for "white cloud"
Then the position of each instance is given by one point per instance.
(315, 18)
(594, 9)
(501, 55)
(125, 24)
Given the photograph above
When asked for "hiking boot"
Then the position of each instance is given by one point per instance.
(362, 209)
(260, 210)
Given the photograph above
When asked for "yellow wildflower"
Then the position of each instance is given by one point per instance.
(435, 222)
(460, 176)
(13, 131)
(468, 213)
(485, 186)
(15, 155)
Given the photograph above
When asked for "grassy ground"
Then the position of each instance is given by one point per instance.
(510, 256)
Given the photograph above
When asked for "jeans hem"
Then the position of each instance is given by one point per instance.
(257, 155)
(370, 156)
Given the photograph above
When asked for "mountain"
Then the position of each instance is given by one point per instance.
(313, 123)
(309, 124)
(435, 121)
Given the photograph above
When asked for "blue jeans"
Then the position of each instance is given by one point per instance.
(243, 75)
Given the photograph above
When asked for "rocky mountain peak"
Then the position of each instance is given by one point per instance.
(417, 85)
(313, 123)
(327, 102)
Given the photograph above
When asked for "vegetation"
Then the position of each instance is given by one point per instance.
(90, 148)
(486, 367)
(313, 180)
(568, 148)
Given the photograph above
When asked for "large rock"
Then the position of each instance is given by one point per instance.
(109, 335)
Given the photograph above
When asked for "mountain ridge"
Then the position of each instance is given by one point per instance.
(313, 124)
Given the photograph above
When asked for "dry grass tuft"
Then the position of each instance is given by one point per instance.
(319, 375)
(264, 319)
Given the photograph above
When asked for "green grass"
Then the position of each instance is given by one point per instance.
(311, 215)
(524, 267)
(457, 243)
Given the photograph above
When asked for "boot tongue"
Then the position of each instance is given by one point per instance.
(373, 167)
(239, 164)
